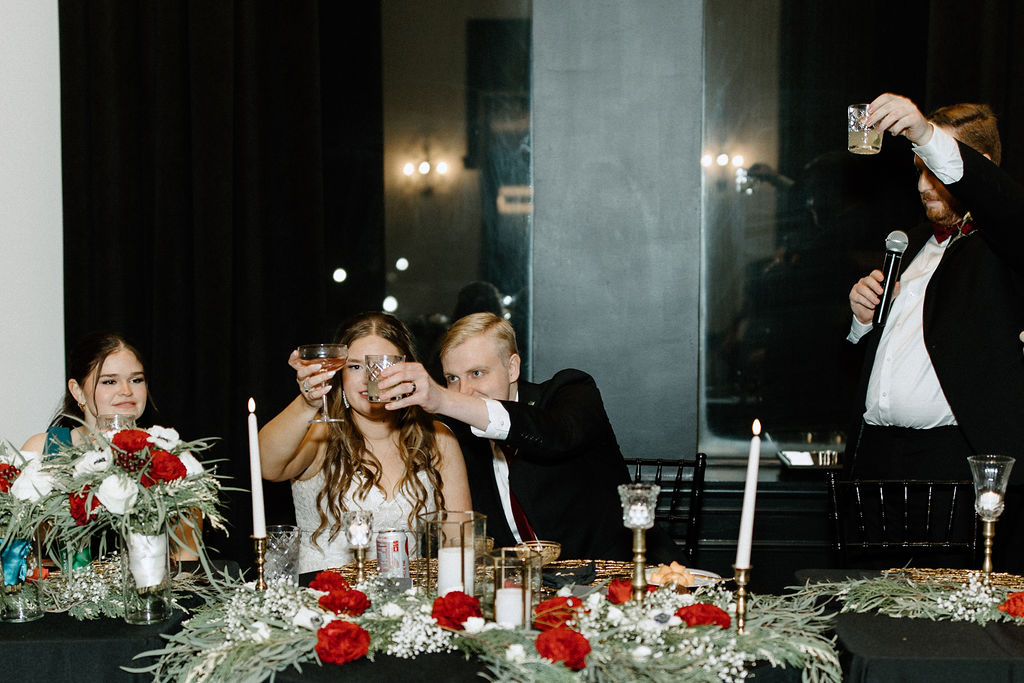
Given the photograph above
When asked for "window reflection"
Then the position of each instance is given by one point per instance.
(456, 96)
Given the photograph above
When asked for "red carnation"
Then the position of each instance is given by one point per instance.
(620, 591)
(555, 612)
(342, 641)
(454, 608)
(702, 613)
(78, 510)
(564, 645)
(8, 473)
(1014, 605)
(328, 581)
(164, 467)
(349, 602)
(131, 440)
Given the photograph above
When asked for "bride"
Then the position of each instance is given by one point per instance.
(398, 464)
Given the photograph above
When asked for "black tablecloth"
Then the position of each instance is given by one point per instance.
(881, 649)
(61, 648)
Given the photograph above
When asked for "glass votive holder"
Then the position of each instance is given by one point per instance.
(639, 503)
(991, 475)
(358, 528)
(517, 584)
(20, 568)
(454, 543)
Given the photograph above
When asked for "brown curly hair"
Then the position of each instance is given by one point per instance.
(347, 458)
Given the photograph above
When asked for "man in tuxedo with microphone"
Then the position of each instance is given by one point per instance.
(943, 375)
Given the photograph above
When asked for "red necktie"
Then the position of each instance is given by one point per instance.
(522, 523)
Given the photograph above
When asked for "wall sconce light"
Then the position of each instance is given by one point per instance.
(425, 173)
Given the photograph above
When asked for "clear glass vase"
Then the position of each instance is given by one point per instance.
(21, 599)
(146, 577)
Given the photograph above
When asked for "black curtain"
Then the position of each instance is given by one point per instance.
(220, 160)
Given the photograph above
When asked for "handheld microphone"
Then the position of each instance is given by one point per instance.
(895, 245)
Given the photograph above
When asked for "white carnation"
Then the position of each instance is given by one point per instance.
(391, 610)
(473, 625)
(260, 632)
(515, 653)
(117, 494)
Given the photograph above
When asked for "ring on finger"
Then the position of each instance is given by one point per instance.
(306, 387)
(413, 388)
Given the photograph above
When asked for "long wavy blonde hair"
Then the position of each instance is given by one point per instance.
(348, 460)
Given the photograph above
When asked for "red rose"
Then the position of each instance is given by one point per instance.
(349, 602)
(78, 510)
(620, 591)
(8, 473)
(164, 467)
(131, 440)
(564, 645)
(554, 613)
(454, 608)
(702, 613)
(1014, 605)
(342, 641)
(328, 581)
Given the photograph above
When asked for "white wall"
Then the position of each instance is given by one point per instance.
(31, 233)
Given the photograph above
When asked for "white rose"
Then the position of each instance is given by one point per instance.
(164, 438)
(117, 494)
(33, 483)
(192, 466)
(94, 461)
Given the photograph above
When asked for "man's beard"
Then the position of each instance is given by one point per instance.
(948, 213)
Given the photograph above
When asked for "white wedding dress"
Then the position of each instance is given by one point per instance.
(387, 514)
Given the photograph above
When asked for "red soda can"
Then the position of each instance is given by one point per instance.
(393, 553)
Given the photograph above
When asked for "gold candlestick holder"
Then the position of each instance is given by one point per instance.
(988, 532)
(260, 545)
(360, 564)
(742, 577)
(639, 564)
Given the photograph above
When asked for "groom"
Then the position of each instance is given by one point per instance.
(542, 459)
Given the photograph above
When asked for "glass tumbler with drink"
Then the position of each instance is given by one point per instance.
(329, 357)
(374, 365)
(860, 137)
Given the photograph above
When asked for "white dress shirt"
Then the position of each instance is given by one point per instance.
(497, 430)
(903, 390)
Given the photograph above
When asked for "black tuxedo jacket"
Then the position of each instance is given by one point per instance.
(974, 312)
(564, 468)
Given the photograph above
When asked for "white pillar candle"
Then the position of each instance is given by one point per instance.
(449, 574)
(508, 606)
(259, 522)
(749, 500)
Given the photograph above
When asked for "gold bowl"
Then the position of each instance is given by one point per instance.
(549, 550)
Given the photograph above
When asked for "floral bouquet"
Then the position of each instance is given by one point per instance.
(144, 485)
(22, 488)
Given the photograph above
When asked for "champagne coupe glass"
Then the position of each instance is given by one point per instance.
(330, 357)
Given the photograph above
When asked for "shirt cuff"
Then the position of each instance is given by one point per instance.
(499, 422)
(858, 330)
(942, 156)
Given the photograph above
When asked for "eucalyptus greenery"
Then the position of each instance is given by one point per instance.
(248, 635)
(895, 595)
